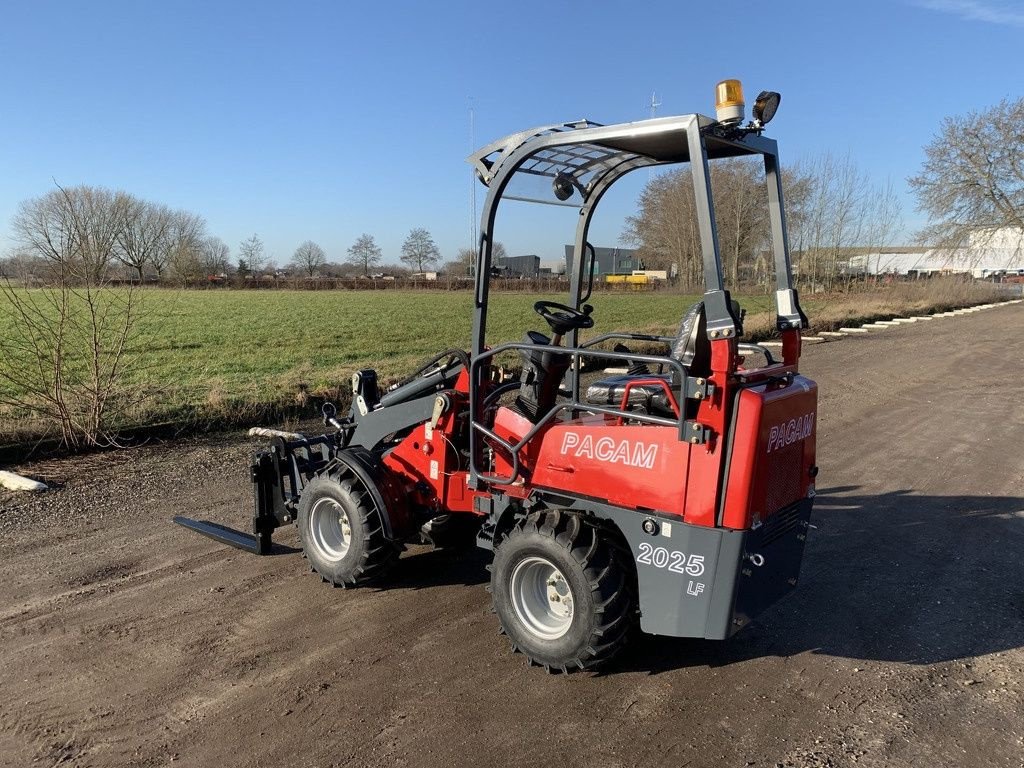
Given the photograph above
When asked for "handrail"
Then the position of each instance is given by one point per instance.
(759, 349)
(649, 382)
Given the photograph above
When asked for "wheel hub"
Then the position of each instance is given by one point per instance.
(541, 597)
(331, 529)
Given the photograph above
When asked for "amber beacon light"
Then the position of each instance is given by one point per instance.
(729, 101)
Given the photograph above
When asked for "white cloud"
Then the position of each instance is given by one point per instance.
(974, 10)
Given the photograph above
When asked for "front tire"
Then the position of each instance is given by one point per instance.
(342, 533)
(562, 592)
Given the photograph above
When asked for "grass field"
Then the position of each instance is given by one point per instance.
(229, 356)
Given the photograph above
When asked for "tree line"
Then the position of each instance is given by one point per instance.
(831, 206)
(89, 235)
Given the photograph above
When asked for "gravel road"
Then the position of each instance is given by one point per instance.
(127, 641)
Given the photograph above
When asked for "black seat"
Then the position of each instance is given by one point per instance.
(691, 348)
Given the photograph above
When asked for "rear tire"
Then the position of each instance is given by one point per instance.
(562, 592)
(342, 533)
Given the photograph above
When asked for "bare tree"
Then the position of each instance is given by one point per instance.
(741, 214)
(831, 206)
(665, 228)
(216, 256)
(885, 219)
(465, 261)
(309, 257)
(28, 269)
(837, 200)
(75, 228)
(65, 351)
(972, 181)
(142, 241)
(185, 237)
(364, 254)
(252, 255)
(419, 250)
(66, 357)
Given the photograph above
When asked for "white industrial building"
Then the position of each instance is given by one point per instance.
(987, 254)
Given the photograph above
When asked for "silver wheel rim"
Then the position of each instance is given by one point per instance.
(541, 598)
(331, 529)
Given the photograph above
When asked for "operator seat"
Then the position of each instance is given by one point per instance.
(691, 348)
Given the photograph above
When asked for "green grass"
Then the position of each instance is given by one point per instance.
(260, 343)
(206, 356)
(215, 354)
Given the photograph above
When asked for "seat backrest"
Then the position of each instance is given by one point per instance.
(692, 347)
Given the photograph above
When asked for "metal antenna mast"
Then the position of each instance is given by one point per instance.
(654, 108)
(472, 182)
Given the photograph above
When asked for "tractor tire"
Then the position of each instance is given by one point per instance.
(451, 531)
(341, 532)
(563, 592)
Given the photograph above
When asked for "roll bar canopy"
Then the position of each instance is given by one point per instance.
(584, 159)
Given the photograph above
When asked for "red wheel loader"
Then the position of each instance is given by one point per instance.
(675, 497)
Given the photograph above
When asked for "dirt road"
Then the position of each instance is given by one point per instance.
(126, 641)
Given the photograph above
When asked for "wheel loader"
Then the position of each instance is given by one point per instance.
(673, 498)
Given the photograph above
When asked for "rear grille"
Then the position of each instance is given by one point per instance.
(784, 469)
(779, 524)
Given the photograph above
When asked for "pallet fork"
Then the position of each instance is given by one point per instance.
(278, 476)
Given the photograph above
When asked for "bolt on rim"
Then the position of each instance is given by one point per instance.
(331, 529)
(541, 598)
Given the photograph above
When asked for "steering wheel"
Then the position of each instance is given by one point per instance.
(563, 319)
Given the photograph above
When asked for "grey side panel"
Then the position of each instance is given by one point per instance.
(720, 622)
(701, 582)
(686, 573)
(779, 546)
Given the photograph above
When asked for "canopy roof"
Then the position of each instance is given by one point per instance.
(586, 151)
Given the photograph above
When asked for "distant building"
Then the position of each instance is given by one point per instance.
(996, 252)
(552, 267)
(987, 255)
(894, 261)
(519, 266)
(609, 261)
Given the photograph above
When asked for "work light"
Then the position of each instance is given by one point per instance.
(563, 186)
(765, 105)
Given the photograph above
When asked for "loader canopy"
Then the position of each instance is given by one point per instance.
(578, 162)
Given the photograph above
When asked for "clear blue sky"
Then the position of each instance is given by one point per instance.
(322, 120)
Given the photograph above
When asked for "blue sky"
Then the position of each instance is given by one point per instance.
(323, 120)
